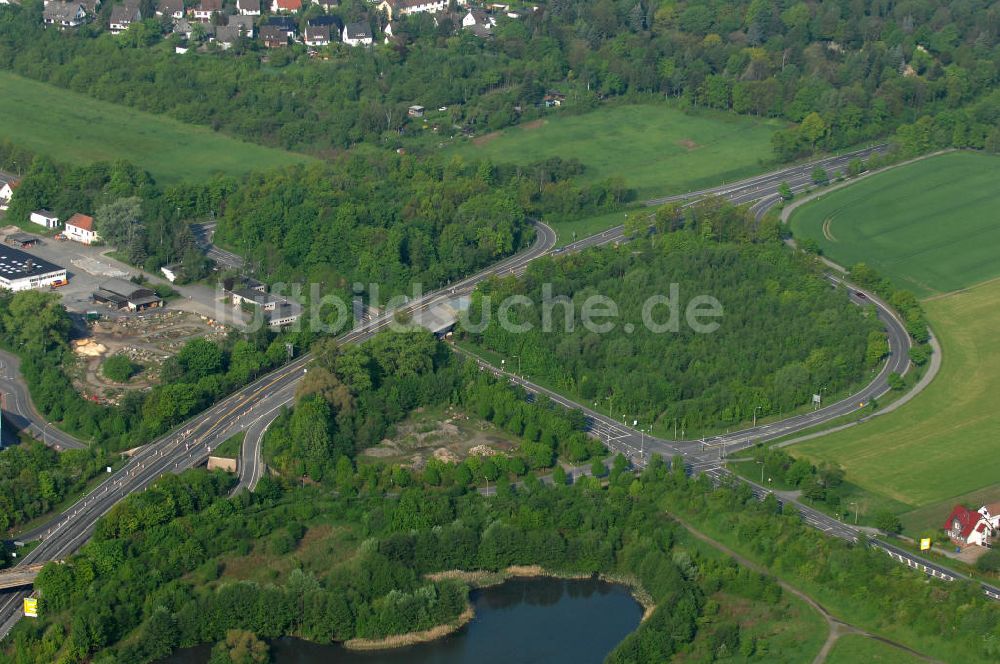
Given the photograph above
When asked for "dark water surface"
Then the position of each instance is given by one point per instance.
(524, 621)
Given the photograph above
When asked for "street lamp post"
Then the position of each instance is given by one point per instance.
(756, 408)
(761, 464)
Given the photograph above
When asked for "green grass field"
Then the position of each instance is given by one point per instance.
(942, 445)
(930, 226)
(655, 148)
(73, 128)
(854, 648)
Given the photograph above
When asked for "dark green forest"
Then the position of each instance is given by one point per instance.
(846, 71)
(784, 334)
(35, 478)
(381, 218)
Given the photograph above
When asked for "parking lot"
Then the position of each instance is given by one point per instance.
(89, 266)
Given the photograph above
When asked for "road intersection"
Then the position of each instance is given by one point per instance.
(255, 406)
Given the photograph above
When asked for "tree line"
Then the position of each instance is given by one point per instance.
(842, 73)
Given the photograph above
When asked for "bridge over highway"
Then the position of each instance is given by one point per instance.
(19, 577)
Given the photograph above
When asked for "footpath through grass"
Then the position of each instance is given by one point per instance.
(941, 446)
(854, 648)
(655, 148)
(929, 226)
(74, 128)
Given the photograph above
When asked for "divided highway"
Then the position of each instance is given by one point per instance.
(252, 408)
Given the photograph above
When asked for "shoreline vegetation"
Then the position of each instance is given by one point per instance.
(480, 579)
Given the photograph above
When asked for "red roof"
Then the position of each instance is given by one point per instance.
(964, 518)
(289, 5)
(81, 221)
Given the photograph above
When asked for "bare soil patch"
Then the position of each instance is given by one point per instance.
(448, 435)
(688, 144)
(148, 340)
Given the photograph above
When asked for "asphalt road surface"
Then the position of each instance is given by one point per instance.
(19, 412)
(255, 405)
(203, 236)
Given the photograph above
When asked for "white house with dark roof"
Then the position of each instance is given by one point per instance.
(170, 8)
(206, 9)
(64, 15)
(394, 9)
(243, 24)
(248, 7)
(124, 15)
(357, 34)
(45, 218)
(317, 35)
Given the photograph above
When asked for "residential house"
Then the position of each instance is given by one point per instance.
(91, 6)
(205, 10)
(553, 99)
(64, 14)
(357, 34)
(389, 32)
(45, 218)
(170, 8)
(80, 228)
(991, 513)
(183, 27)
(415, 111)
(124, 15)
(476, 17)
(273, 36)
(243, 24)
(226, 36)
(248, 7)
(8, 183)
(969, 527)
(287, 24)
(317, 35)
(396, 8)
(285, 6)
(328, 5)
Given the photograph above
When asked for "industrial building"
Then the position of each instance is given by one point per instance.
(121, 294)
(20, 271)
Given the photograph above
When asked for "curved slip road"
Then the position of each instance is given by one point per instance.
(20, 412)
(256, 405)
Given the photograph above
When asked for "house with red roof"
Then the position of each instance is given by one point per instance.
(80, 227)
(966, 526)
(280, 6)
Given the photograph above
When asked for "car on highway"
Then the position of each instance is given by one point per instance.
(858, 294)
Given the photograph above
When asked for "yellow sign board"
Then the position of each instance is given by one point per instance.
(925, 543)
(31, 607)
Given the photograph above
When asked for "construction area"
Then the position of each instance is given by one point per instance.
(444, 433)
(148, 340)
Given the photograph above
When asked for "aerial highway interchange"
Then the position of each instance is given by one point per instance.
(252, 408)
